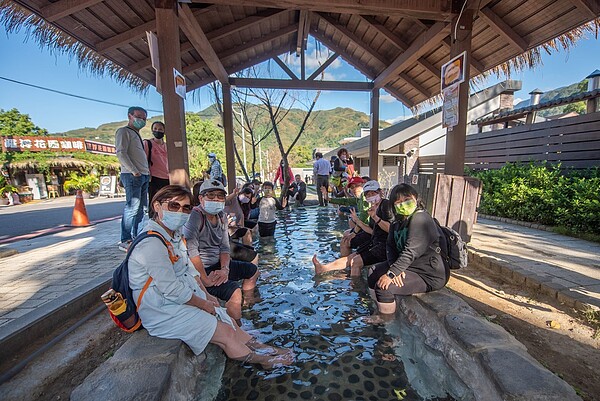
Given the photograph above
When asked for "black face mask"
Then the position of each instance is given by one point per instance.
(158, 134)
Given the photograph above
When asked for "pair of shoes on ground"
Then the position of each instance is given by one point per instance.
(123, 246)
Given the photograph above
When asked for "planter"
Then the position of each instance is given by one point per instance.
(4, 201)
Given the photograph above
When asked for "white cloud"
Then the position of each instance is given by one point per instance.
(517, 100)
(387, 98)
(314, 60)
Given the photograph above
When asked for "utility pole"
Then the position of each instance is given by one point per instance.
(243, 139)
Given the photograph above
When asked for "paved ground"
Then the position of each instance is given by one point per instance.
(53, 265)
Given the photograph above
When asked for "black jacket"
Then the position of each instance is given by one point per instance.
(411, 245)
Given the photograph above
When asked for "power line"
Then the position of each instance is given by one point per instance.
(72, 95)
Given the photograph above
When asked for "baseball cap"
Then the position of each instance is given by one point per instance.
(212, 155)
(211, 185)
(356, 181)
(371, 186)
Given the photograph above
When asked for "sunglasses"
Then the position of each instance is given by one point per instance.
(214, 195)
(173, 206)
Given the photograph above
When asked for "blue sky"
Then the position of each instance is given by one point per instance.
(24, 60)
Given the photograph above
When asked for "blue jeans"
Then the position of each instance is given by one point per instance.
(136, 201)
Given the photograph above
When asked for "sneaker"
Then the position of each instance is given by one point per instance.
(124, 245)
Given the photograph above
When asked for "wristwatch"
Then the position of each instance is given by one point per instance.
(391, 274)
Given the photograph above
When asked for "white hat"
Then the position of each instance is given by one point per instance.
(211, 185)
(212, 155)
(371, 186)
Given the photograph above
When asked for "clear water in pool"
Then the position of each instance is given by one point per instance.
(339, 356)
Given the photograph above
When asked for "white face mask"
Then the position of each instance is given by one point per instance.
(373, 199)
(213, 207)
(243, 199)
(174, 220)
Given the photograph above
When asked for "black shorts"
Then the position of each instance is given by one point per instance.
(267, 229)
(239, 233)
(239, 251)
(362, 237)
(238, 270)
(373, 254)
(249, 223)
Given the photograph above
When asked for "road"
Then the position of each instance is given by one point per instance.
(46, 214)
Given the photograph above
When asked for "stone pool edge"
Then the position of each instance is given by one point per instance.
(489, 361)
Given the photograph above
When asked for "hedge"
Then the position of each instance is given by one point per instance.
(543, 194)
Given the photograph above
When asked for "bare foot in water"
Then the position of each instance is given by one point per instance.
(318, 265)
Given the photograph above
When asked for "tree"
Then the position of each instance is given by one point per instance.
(12, 122)
(577, 107)
(203, 137)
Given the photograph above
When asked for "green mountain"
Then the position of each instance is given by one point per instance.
(326, 127)
(557, 93)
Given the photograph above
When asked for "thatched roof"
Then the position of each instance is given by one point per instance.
(58, 162)
(407, 39)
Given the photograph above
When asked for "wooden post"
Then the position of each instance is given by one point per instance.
(167, 28)
(229, 143)
(457, 138)
(374, 136)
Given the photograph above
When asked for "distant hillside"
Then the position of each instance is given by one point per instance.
(557, 93)
(328, 127)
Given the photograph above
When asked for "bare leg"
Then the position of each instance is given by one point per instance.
(345, 248)
(234, 305)
(250, 283)
(337, 264)
(356, 264)
(386, 308)
(247, 239)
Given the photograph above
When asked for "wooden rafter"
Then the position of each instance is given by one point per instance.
(589, 7)
(195, 34)
(323, 66)
(426, 9)
(498, 24)
(125, 37)
(285, 68)
(396, 41)
(475, 64)
(63, 8)
(303, 28)
(300, 85)
(242, 48)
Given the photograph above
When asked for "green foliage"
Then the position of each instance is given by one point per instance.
(12, 122)
(87, 182)
(6, 188)
(577, 107)
(203, 137)
(543, 195)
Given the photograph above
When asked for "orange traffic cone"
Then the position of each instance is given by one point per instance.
(80, 217)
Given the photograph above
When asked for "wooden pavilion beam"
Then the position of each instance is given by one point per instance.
(300, 85)
(63, 8)
(303, 28)
(430, 9)
(196, 36)
(421, 45)
(285, 68)
(396, 41)
(498, 24)
(214, 35)
(475, 64)
(365, 47)
(360, 67)
(589, 7)
(323, 66)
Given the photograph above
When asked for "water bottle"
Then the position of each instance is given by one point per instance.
(114, 302)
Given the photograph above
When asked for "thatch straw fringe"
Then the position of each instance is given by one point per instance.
(530, 59)
(14, 17)
(64, 163)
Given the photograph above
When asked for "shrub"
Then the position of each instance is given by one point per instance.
(543, 194)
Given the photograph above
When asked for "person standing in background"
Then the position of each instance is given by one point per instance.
(215, 171)
(156, 153)
(321, 169)
(135, 173)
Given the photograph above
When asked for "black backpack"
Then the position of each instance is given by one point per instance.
(127, 317)
(149, 142)
(452, 247)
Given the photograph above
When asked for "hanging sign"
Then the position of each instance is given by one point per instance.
(450, 106)
(100, 148)
(42, 143)
(179, 83)
(454, 71)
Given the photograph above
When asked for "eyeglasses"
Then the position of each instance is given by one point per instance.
(173, 206)
(214, 195)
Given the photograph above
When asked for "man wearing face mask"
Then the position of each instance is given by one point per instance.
(215, 171)
(156, 153)
(208, 246)
(135, 173)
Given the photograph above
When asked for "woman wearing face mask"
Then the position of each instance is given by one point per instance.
(340, 167)
(379, 224)
(156, 153)
(414, 264)
(176, 304)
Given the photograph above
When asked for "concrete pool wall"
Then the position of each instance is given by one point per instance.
(445, 345)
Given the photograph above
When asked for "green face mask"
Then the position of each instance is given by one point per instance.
(406, 208)
(138, 123)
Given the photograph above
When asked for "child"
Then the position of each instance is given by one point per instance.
(267, 205)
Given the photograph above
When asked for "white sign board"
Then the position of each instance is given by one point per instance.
(179, 83)
(454, 71)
